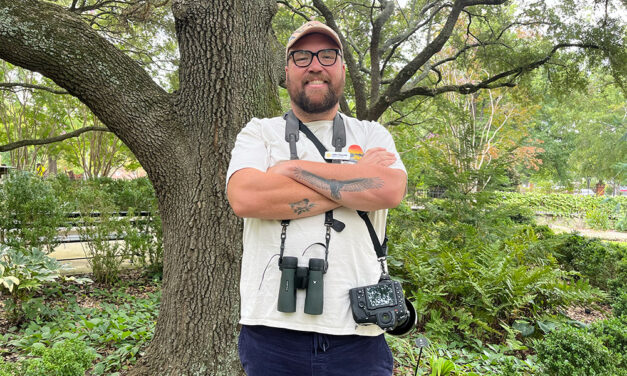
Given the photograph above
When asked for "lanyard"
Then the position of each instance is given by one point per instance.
(292, 128)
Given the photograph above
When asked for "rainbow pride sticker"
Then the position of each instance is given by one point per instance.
(356, 152)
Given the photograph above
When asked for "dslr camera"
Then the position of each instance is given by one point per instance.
(383, 304)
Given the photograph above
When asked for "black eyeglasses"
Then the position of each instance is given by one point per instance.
(326, 57)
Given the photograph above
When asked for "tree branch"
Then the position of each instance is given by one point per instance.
(490, 83)
(76, 133)
(9, 85)
(57, 43)
(358, 83)
(412, 67)
(375, 40)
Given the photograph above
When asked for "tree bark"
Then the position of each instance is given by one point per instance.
(183, 141)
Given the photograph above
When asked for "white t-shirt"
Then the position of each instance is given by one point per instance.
(352, 259)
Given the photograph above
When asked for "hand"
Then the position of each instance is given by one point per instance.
(281, 168)
(378, 157)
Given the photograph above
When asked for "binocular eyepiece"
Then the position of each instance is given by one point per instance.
(295, 277)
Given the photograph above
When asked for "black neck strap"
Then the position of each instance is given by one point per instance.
(293, 125)
(292, 128)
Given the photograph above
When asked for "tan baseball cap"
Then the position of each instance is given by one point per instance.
(310, 28)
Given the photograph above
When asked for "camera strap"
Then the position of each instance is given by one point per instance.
(292, 127)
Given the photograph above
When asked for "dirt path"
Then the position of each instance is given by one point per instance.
(616, 236)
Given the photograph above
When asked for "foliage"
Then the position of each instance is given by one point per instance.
(566, 205)
(472, 271)
(620, 304)
(395, 52)
(598, 219)
(441, 366)
(575, 352)
(67, 358)
(22, 271)
(118, 326)
(582, 141)
(613, 333)
(475, 359)
(102, 234)
(603, 264)
(30, 214)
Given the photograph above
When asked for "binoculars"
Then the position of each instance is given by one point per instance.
(294, 277)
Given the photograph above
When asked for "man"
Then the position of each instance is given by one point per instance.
(265, 187)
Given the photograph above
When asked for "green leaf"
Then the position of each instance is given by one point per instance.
(525, 328)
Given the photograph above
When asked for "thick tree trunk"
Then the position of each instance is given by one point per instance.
(225, 80)
(183, 141)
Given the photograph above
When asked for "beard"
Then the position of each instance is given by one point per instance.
(305, 103)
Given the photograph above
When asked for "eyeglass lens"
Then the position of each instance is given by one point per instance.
(303, 58)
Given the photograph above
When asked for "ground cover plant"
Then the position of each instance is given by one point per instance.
(490, 286)
(491, 289)
(89, 327)
(599, 212)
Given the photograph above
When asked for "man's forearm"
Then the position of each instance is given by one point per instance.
(362, 187)
(256, 194)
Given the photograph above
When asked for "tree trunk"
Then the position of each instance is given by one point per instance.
(225, 80)
(182, 140)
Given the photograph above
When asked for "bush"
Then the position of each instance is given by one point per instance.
(620, 304)
(67, 358)
(575, 352)
(21, 272)
(472, 278)
(598, 219)
(613, 333)
(603, 264)
(105, 253)
(30, 213)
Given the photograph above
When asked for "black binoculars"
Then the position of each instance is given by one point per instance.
(295, 277)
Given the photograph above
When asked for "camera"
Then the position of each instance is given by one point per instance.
(383, 304)
(295, 277)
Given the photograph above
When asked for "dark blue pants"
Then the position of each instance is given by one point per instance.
(268, 351)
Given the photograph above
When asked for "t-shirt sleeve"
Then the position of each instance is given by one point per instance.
(380, 137)
(250, 150)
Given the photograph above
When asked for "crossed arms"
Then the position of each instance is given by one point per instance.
(298, 189)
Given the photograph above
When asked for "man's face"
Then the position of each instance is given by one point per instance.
(316, 88)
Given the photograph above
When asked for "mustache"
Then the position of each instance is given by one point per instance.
(316, 76)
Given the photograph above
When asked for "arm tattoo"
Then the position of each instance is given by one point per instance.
(336, 186)
(302, 206)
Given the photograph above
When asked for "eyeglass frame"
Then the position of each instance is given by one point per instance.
(338, 52)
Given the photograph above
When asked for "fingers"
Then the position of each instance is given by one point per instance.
(378, 156)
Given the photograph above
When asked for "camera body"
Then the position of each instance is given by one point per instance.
(382, 304)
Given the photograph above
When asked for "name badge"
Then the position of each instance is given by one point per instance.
(337, 155)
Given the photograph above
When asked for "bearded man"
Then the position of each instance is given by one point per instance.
(301, 221)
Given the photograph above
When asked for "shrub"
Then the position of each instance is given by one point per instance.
(30, 213)
(105, 253)
(8, 369)
(575, 352)
(613, 333)
(598, 219)
(144, 240)
(620, 304)
(603, 264)
(471, 278)
(68, 358)
(21, 272)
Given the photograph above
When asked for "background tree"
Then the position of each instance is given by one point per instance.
(586, 140)
(396, 53)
